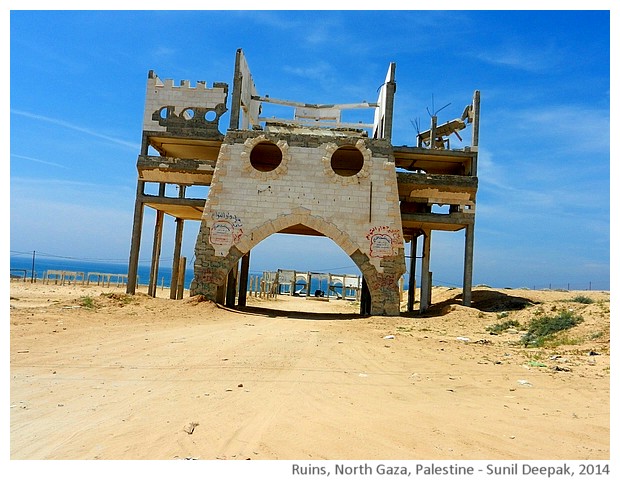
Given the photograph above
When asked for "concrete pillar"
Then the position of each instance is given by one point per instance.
(159, 225)
(243, 280)
(235, 109)
(475, 131)
(426, 280)
(389, 106)
(468, 264)
(178, 240)
(429, 290)
(136, 235)
(181, 278)
(231, 286)
(433, 129)
(412, 261)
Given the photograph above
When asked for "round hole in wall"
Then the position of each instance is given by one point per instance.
(347, 161)
(266, 156)
(210, 116)
(163, 112)
(188, 114)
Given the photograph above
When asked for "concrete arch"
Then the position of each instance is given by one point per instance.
(211, 268)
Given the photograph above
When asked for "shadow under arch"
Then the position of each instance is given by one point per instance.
(211, 270)
(297, 315)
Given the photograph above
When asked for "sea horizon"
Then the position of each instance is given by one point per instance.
(21, 265)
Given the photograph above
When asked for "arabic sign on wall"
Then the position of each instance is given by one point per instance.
(226, 229)
(384, 241)
(221, 233)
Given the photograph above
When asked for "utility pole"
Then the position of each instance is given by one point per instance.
(32, 274)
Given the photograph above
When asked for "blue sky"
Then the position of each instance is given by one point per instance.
(77, 91)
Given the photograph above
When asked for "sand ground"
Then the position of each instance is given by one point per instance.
(97, 374)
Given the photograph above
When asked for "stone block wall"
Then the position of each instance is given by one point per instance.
(299, 184)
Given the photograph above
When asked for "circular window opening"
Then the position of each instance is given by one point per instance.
(347, 161)
(266, 156)
(210, 116)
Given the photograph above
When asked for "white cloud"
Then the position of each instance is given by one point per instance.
(567, 128)
(76, 191)
(61, 123)
(38, 160)
(317, 71)
(162, 51)
(539, 59)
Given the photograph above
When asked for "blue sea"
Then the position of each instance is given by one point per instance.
(21, 265)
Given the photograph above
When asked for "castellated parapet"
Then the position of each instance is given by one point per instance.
(182, 106)
(342, 186)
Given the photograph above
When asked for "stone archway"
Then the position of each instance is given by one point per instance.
(214, 260)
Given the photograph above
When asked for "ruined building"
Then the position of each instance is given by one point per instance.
(311, 174)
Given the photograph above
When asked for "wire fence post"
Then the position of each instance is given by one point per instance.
(32, 273)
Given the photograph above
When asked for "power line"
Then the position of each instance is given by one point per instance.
(85, 259)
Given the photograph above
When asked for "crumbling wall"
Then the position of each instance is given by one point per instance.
(174, 108)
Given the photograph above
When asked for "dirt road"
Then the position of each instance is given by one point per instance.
(96, 374)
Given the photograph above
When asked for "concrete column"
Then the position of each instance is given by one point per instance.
(476, 119)
(389, 103)
(235, 108)
(243, 280)
(429, 291)
(181, 278)
(468, 265)
(412, 261)
(136, 235)
(475, 131)
(231, 286)
(433, 129)
(178, 240)
(157, 237)
(159, 225)
(426, 280)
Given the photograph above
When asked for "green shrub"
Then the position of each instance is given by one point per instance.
(542, 327)
(87, 302)
(582, 299)
(121, 298)
(502, 327)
